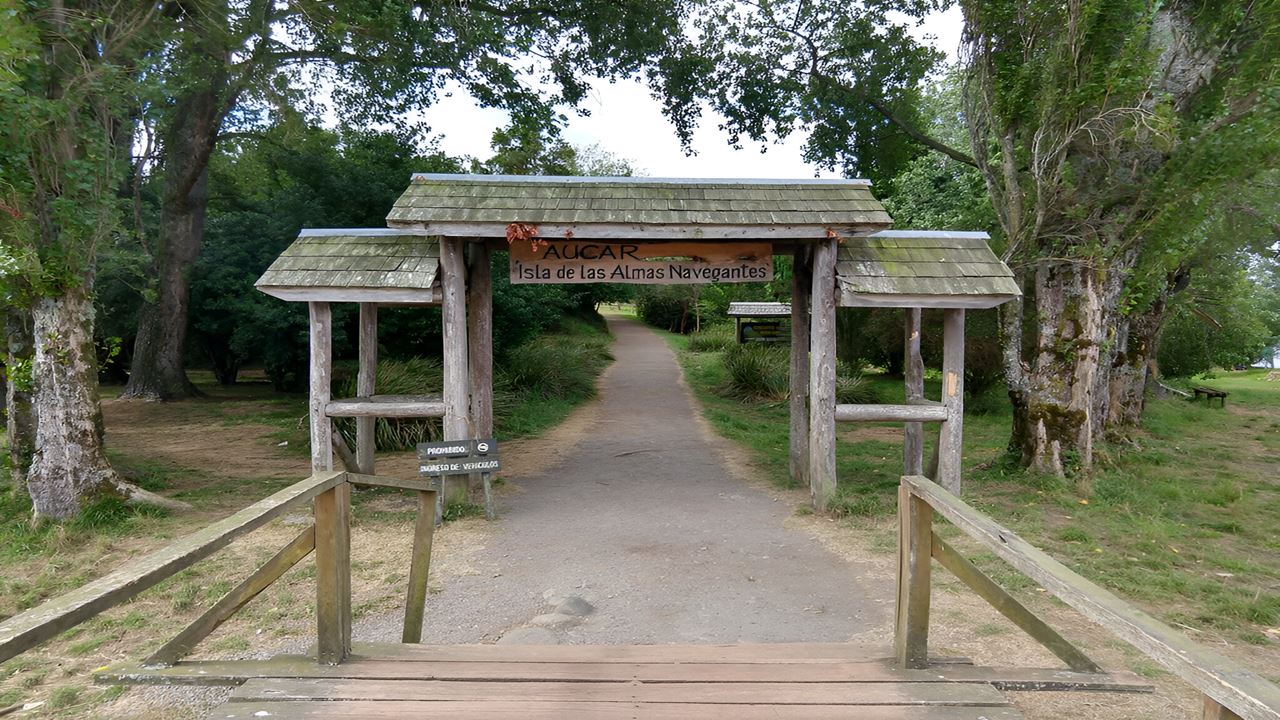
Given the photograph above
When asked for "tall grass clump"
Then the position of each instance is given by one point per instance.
(557, 365)
(758, 371)
(412, 376)
(712, 339)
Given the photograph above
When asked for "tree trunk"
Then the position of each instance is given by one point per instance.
(1134, 369)
(20, 421)
(1053, 406)
(70, 466)
(188, 139)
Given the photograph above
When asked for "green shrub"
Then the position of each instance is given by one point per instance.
(711, 339)
(852, 387)
(669, 307)
(758, 372)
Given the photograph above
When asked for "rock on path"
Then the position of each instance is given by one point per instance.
(642, 524)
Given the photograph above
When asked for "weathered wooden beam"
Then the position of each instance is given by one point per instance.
(366, 385)
(419, 567)
(457, 394)
(321, 332)
(1008, 606)
(1213, 710)
(891, 413)
(951, 436)
(186, 641)
(1228, 683)
(333, 574)
(419, 484)
(480, 338)
(634, 232)
(32, 627)
(915, 531)
(388, 406)
(822, 375)
(801, 287)
(913, 380)
(345, 456)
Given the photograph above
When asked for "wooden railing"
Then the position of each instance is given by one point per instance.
(329, 537)
(1229, 690)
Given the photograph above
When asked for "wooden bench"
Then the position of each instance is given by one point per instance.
(1209, 394)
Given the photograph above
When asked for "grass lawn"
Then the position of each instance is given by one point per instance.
(1183, 518)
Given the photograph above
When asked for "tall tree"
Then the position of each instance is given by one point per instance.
(66, 74)
(384, 59)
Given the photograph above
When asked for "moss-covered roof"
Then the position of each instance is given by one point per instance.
(472, 201)
(901, 268)
(336, 265)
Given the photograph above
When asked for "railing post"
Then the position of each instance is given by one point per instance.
(332, 507)
(822, 374)
(915, 540)
(951, 434)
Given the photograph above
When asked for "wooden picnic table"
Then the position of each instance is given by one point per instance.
(1209, 394)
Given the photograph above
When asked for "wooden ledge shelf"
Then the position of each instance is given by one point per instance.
(387, 406)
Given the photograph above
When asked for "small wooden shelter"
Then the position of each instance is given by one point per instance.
(752, 311)
(444, 228)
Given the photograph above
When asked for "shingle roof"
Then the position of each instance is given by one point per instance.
(342, 264)
(759, 309)
(467, 202)
(900, 268)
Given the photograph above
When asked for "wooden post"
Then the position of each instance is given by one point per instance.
(915, 540)
(332, 507)
(480, 358)
(456, 395)
(913, 379)
(366, 385)
(822, 375)
(951, 436)
(321, 330)
(801, 286)
(419, 568)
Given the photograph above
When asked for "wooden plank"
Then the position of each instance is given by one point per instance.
(186, 641)
(822, 376)
(911, 633)
(913, 380)
(776, 693)
(419, 567)
(387, 406)
(321, 332)
(457, 394)
(684, 654)
(419, 484)
(333, 574)
(521, 710)
(28, 629)
(233, 673)
(801, 287)
(395, 296)
(1008, 606)
(850, 298)
(951, 436)
(1232, 685)
(913, 414)
(366, 386)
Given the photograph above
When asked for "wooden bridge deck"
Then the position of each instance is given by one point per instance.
(598, 682)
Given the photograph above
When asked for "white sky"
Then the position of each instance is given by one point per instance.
(627, 121)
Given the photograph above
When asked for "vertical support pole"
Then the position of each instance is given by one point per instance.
(951, 436)
(480, 336)
(366, 385)
(419, 567)
(822, 375)
(332, 507)
(915, 549)
(457, 396)
(913, 379)
(737, 330)
(801, 286)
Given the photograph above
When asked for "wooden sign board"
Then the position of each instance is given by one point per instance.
(675, 263)
(765, 331)
(458, 457)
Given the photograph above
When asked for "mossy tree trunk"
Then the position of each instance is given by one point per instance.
(1134, 370)
(20, 422)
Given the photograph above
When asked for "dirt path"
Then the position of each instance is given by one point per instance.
(643, 519)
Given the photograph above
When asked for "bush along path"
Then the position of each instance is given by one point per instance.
(639, 534)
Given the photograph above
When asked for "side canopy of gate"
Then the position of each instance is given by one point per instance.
(444, 228)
